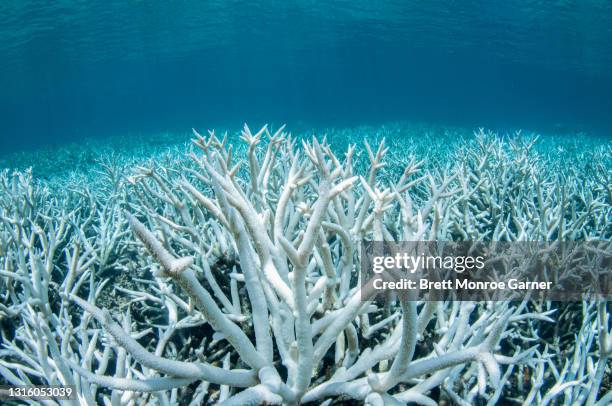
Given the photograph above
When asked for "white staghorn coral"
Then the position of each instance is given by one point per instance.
(256, 296)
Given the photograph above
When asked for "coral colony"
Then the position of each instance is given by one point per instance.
(231, 275)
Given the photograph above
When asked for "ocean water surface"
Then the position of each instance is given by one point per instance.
(75, 69)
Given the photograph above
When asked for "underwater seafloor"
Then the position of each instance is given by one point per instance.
(154, 270)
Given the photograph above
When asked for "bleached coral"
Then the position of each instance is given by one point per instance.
(253, 295)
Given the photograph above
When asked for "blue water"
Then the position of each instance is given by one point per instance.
(70, 69)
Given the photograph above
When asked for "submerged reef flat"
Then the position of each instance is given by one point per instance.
(227, 270)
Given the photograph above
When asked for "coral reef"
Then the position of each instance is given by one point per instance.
(232, 276)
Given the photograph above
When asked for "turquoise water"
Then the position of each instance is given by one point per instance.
(74, 69)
